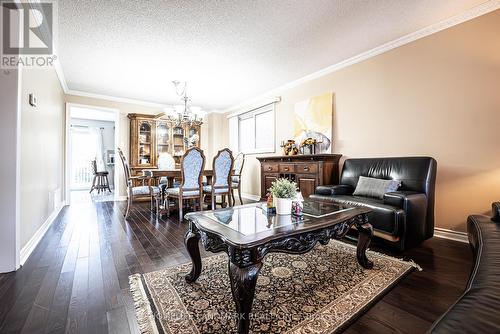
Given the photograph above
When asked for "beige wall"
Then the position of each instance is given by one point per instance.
(438, 96)
(217, 136)
(124, 126)
(42, 149)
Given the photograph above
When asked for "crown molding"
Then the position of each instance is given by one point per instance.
(143, 103)
(117, 99)
(468, 15)
(249, 107)
(60, 75)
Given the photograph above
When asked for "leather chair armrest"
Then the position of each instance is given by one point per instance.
(496, 211)
(401, 199)
(341, 189)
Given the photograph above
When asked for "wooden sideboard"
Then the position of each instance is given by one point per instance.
(309, 171)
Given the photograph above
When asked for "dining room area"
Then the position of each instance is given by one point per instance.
(167, 167)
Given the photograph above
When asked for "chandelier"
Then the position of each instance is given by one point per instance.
(184, 113)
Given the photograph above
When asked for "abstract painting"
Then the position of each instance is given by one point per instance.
(313, 118)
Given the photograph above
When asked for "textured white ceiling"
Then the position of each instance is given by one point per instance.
(228, 51)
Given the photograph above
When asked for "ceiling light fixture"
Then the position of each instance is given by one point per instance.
(184, 113)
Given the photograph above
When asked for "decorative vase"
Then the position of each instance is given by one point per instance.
(283, 206)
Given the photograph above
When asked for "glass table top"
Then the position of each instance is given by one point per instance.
(321, 209)
(253, 219)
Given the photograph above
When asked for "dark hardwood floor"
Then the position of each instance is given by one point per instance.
(76, 280)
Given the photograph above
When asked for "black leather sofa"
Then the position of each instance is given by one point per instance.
(476, 311)
(403, 218)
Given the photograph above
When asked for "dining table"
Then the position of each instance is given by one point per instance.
(172, 174)
(176, 174)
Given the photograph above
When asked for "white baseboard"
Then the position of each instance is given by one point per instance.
(250, 197)
(451, 235)
(35, 239)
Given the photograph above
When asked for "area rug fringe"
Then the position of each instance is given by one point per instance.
(415, 265)
(409, 261)
(144, 314)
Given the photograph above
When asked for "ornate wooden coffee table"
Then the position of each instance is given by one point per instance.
(246, 233)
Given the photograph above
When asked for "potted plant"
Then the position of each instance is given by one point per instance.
(283, 191)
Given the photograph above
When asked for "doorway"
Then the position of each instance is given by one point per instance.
(91, 143)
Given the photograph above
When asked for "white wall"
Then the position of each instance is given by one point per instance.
(10, 128)
(9, 170)
(42, 149)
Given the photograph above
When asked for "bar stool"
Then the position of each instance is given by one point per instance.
(100, 181)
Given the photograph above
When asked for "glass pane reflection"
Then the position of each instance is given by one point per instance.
(252, 220)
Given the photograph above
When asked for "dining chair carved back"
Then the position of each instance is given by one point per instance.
(138, 192)
(192, 165)
(239, 161)
(221, 182)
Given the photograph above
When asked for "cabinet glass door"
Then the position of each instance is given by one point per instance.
(145, 142)
(178, 143)
(162, 138)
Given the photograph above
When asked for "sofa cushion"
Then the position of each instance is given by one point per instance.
(398, 198)
(340, 189)
(385, 218)
(376, 188)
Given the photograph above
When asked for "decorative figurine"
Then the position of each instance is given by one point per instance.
(298, 205)
(269, 201)
(308, 146)
(269, 206)
(289, 147)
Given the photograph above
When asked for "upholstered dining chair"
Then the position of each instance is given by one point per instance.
(192, 164)
(165, 162)
(239, 161)
(138, 192)
(221, 181)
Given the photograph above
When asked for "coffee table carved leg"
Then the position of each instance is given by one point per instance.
(365, 230)
(191, 241)
(243, 281)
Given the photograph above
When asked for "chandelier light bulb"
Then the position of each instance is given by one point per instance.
(183, 113)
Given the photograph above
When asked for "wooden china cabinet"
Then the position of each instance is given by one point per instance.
(151, 135)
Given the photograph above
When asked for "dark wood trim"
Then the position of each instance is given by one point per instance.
(301, 157)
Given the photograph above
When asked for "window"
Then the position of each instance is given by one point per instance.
(253, 131)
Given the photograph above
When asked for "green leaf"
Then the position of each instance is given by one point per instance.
(283, 188)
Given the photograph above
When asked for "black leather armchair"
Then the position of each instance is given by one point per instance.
(403, 218)
(476, 311)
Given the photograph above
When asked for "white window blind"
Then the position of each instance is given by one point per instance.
(253, 131)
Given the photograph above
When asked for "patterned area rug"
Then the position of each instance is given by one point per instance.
(322, 291)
